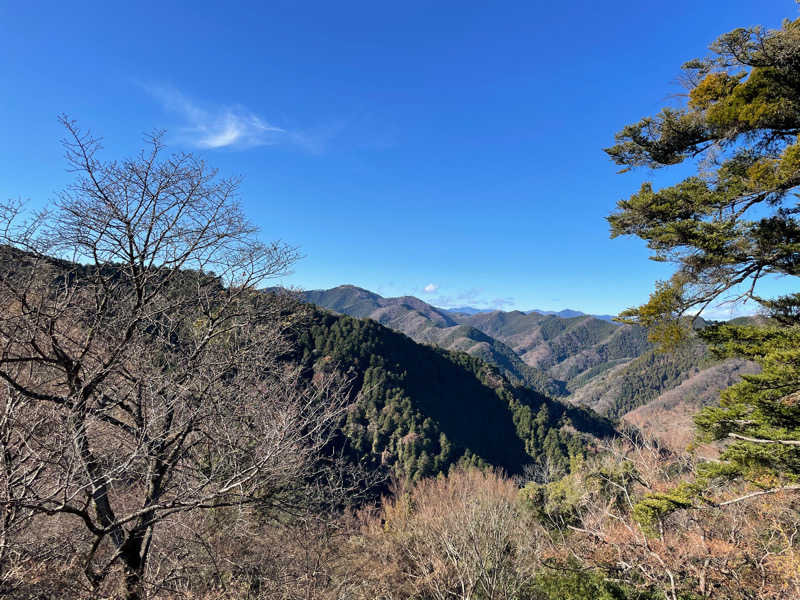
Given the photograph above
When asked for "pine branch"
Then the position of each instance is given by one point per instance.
(761, 493)
(764, 441)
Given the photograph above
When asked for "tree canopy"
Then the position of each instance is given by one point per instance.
(735, 220)
(139, 377)
(726, 227)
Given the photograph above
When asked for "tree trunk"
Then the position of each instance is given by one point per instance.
(134, 590)
(131, 556)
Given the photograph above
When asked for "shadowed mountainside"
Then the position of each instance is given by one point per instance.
(419, 409)
(430, 325)
(544, 352)
(608, 367)
(669, 417)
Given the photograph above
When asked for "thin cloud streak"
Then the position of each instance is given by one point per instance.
(224, 127)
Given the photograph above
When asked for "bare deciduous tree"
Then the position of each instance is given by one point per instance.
(140, 359)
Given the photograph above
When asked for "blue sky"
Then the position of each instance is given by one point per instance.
(449, 150)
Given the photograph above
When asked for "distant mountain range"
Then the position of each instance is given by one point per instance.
(544, 352)
(567, 313)
(468, 310)
(438, 327)
(586, 359)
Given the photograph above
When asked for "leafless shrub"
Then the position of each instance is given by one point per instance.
(734, 552)
(460, 536)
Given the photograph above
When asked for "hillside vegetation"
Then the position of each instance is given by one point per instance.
(669, 417)
(541, 351)
(430, 325)
(420, 409)
(172, 428)
(610, 368)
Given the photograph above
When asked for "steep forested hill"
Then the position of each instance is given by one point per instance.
(564, 347)
(429, 325)
(417, 409)
(591, 362)
(635, 383)
(669, 416)
(688, 376)
(541, 351)
(420, 409)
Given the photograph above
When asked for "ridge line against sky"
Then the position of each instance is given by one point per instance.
(451, 151)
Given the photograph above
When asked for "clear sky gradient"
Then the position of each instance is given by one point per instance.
(449, 150)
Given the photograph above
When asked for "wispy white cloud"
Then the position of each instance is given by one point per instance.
(430, 288)
(218, 127)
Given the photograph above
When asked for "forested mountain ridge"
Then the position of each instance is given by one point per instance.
(607, 367)
(632, 384)
(358, 302)
(564, 314)
(416, 409)
(419, 409)
(544, 352)
(669, 416)
(429, 325)
(564, 347)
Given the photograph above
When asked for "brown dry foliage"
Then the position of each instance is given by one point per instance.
(747, 550)
(460, 536)
(142, 376)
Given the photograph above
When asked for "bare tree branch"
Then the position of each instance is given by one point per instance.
(142, 363)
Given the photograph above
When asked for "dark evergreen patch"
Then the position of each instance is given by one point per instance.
(421, 409)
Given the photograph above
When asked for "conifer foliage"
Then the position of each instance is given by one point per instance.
(418, 410)
(727, 227)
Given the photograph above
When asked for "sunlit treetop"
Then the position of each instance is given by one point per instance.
(735, 220)
(728, 225)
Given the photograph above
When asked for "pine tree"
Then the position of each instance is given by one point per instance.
(727, 227)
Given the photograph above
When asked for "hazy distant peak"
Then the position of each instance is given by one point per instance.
(567, 313)
(468, 310)
(353, 288)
